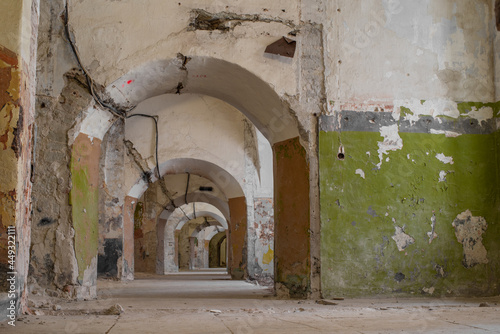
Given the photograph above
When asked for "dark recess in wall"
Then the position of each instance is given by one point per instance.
(107, 264)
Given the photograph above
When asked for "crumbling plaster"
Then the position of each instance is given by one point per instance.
(18, 34)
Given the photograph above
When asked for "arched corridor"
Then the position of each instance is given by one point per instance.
(295, 150)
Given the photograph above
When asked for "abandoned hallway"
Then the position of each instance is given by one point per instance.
(249, 166)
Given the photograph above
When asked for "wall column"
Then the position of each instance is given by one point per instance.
(292, 219)
(84, 198)
(237, 262)
(128, 238)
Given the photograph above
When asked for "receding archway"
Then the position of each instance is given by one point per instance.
(272, 116)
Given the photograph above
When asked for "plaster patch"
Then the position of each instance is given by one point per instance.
(430, 290)
(469, 232)
(392, 141)
(432, 234)
(442, 176)
(360, 173)
(402, 239)
(444, 159)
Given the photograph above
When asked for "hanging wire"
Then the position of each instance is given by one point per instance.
(116, 112)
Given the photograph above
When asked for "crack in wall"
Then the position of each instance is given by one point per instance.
(139, 161)
(224, 21)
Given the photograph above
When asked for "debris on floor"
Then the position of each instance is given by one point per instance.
(325, 302)
(113, 310)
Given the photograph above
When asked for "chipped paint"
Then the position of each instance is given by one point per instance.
(402, 239)
(392, 141)
(360, 173)
(429, 291)
(432, 234)
(469, 231)
(445, 132)
(444, 159)
(268, 256)
(412, 109)
(361, 258)
(481, 114)
(442, 176)
(84, 200)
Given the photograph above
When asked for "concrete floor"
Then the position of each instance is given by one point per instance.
(208, 302)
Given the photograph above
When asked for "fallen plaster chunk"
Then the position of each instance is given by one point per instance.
(469, 232)
(432, 234)
(402, 239)
(392, 141)
(444, 159)
(430, 290)
(360, 173)
(116, 309)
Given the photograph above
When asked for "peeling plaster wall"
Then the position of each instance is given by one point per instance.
(261, 234)
(402, 157)
(18, 34)
(421, 218)
(413, 63)
(85, 209)
(259, 196)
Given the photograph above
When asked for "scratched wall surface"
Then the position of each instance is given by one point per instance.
(405, 211)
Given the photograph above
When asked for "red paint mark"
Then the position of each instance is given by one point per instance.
(129, 82)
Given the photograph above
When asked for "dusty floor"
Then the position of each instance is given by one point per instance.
(210, 303)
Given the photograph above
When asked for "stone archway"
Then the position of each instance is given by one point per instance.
(274, 119)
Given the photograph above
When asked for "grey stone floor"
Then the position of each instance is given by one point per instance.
(210, 303)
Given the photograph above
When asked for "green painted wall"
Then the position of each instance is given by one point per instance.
(84, 200)
(358, 216)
